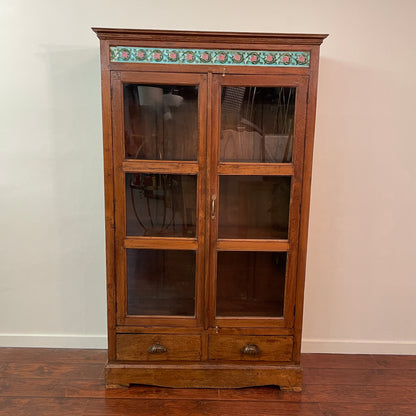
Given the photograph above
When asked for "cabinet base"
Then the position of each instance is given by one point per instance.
(204, 375)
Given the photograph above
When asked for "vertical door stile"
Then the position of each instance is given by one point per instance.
(204, 171)
(215, 102)
(296, 197)
(206, 197)
(118, 153)
(202, 229)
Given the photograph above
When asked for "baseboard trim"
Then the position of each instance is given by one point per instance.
(53, 341)
(349, 346)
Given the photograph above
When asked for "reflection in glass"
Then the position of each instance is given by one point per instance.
(160, 282)
(160, 205)
(254, 207)
(250, 283)
(161, 122)
(257, 124)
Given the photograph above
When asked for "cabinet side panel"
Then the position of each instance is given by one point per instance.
(306, 193)
(201, 208)
(109, 194)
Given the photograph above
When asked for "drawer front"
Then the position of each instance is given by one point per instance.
(252, 348)
(155, 347)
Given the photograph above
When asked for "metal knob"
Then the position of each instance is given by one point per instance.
(251, 349)
(157, 349)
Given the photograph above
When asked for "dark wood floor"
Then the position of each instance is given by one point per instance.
(37, 381)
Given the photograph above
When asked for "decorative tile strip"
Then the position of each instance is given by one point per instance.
(208, 56)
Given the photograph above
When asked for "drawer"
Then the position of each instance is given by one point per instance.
(155, 347)
(252, 348)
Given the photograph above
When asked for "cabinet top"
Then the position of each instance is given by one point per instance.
(209, 37)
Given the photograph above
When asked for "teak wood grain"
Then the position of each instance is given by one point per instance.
(108, 196)
(203, 334)
(187, 37)
(136, 347)
(231, 347)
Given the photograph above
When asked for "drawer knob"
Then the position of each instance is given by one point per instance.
(157, 349)
(251, 349)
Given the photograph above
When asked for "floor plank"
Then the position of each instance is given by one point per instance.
(52, 355)
(339, 361)
(54, 370)
(42, 406)
(396, 361)
(117, 407)
(353, 376)
(331, 409)
(328, 394)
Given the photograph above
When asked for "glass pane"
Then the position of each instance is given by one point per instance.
(250, 283)
(257, 124)
(160, 282)
(160, 205)
(254, 207)
(161, 122)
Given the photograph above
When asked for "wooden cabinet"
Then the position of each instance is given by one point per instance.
(208, 143)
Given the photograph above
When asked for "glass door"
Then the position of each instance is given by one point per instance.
(159, 164)
(258, 128)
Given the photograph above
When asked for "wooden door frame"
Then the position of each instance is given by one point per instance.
(294, 170)
(122, 166)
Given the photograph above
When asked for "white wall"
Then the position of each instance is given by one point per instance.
(361, 280)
